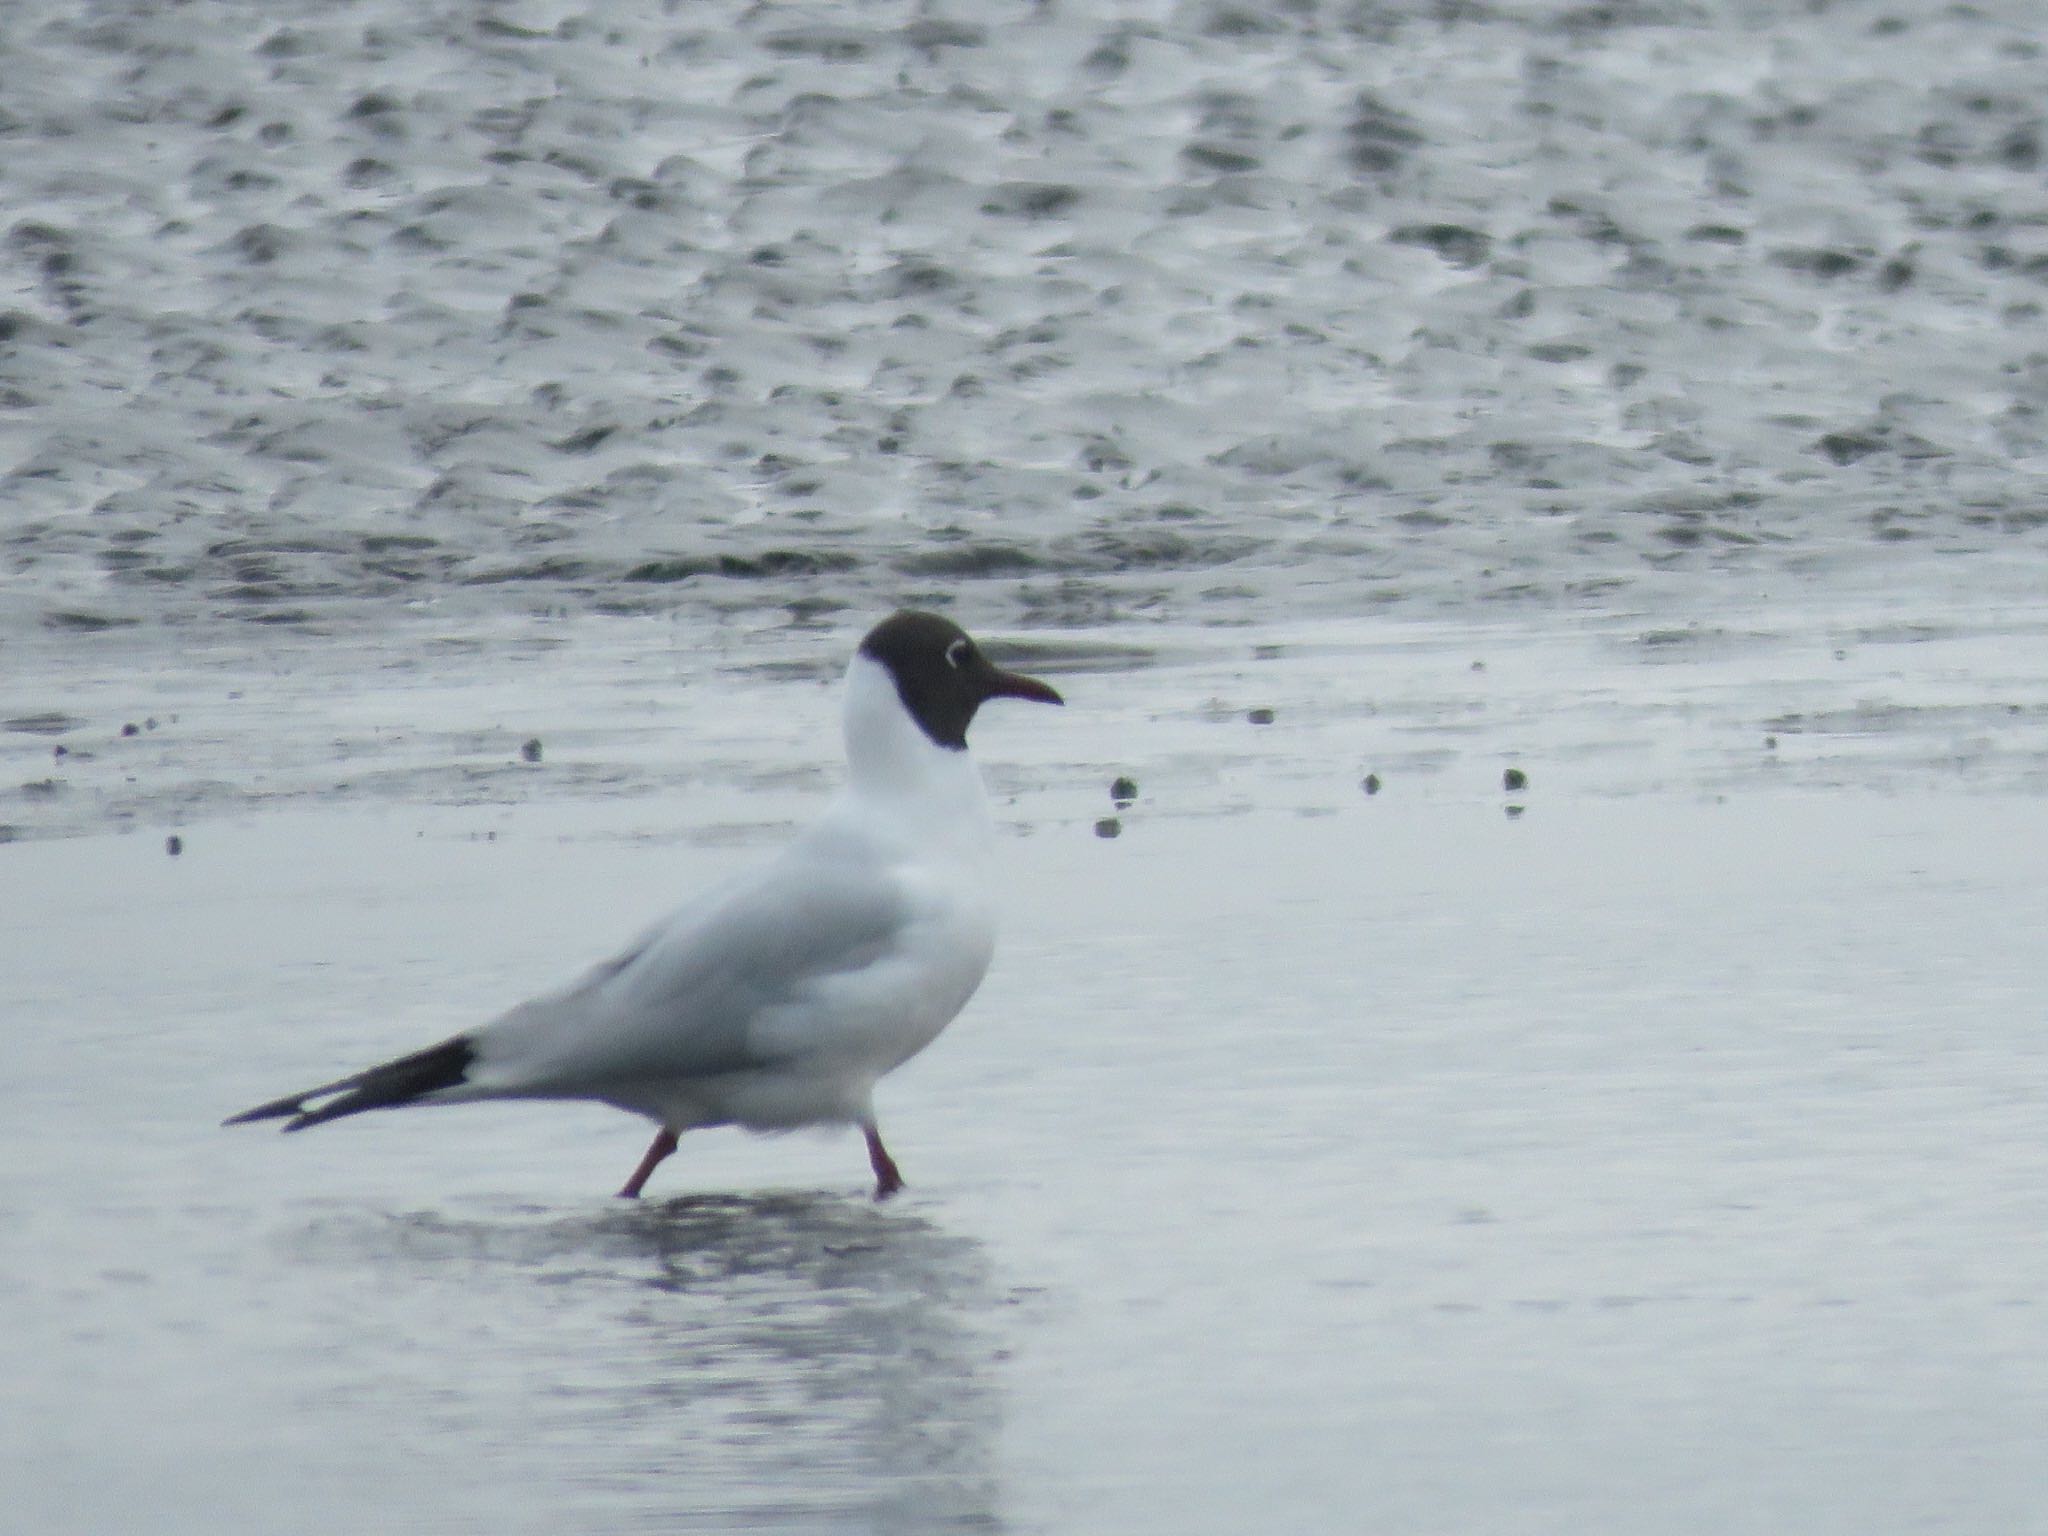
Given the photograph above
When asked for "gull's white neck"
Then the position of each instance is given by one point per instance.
(892, 762)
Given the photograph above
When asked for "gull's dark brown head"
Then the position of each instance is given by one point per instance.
(941, 675)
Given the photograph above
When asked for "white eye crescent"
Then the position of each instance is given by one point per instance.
(956, 654)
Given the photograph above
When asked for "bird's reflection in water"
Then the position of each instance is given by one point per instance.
(788, 1361)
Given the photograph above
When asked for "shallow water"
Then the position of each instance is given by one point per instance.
(1652, 1154)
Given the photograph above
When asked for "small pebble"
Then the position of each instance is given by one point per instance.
(131, 729)
(1371, 784)
(1515, 811)
(60, 750)
(1123, 790)
(149, 724)
(1514, 779)
(174, 845)
(531, 751)
(1770, 743)
(1259, 716)
(1109, 826)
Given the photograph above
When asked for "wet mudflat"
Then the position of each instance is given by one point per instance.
(1105, 311)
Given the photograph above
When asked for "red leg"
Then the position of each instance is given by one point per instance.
(664, 1143)
(887, 1179)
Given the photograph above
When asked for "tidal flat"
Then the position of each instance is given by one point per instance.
(1518, 1008)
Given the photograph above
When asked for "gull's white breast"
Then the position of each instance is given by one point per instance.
(780, 1000)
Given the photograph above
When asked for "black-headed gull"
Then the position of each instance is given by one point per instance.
(776, 1001)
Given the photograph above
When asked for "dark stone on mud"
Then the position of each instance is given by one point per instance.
(1378, 138)
(1031, 200)
(978, 559)
(1820, 262)
(668, 570)
(174, 845)
(47, 722)
(586, 441)
(85, 623)
(1514, 779)
(531, 750)
(1515, 812)
(1220, 158)
(1123, 790)
(1847, 447)
(786, 562)
(1455, 243)
(131, 729)
(2021, 148)
(930, 34)
(1109, 826)
(1259, 716)
(768, 563)
(1370, 784)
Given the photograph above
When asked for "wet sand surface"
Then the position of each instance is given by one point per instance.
(321, 312)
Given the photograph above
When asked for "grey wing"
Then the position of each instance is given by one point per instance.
(682, 1000)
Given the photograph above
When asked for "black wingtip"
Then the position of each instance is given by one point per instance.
(277, 1109)
(303, 1119)
(388, 1086)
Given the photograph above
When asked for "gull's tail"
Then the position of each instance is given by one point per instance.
(395, 1083)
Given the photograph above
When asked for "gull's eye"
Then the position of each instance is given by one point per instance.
(956, 654)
